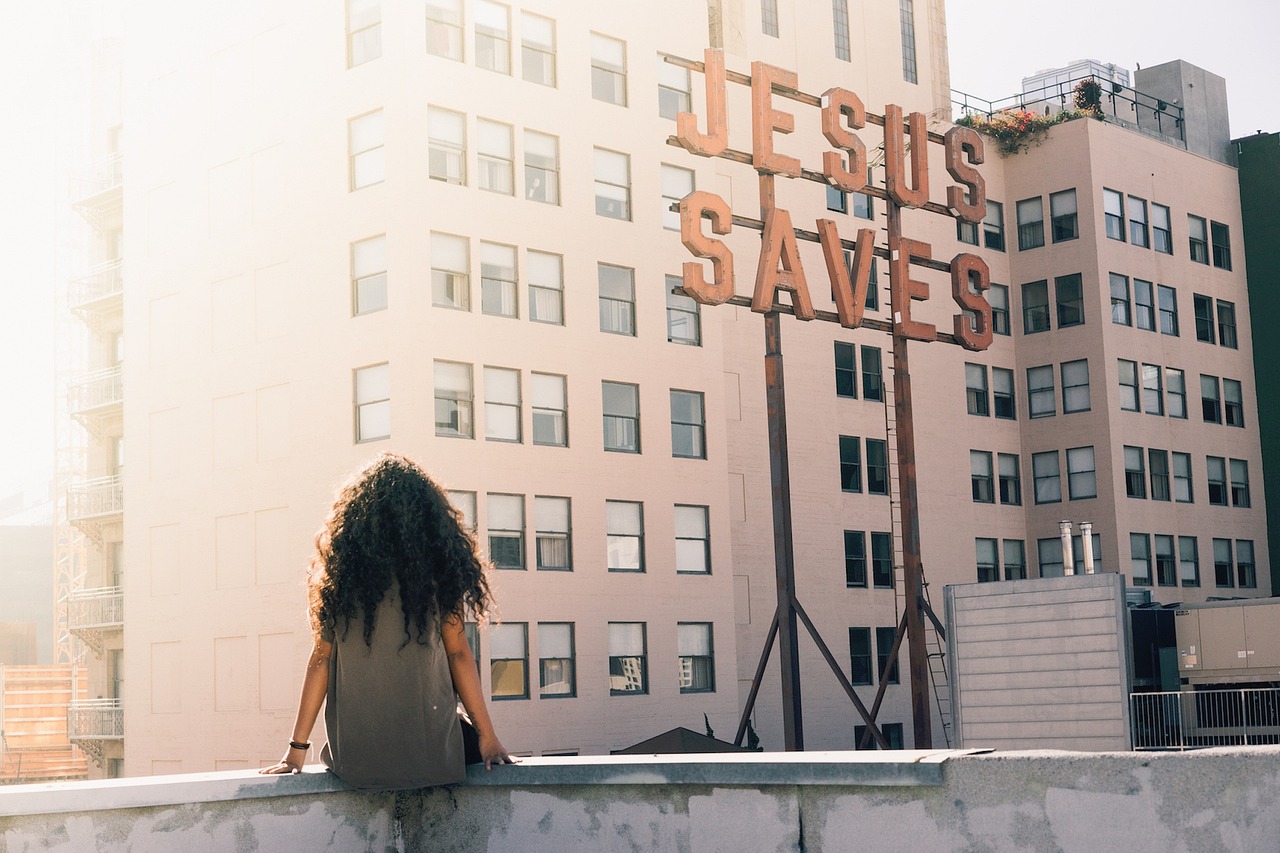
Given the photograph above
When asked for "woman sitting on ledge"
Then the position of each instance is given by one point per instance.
(394, 576)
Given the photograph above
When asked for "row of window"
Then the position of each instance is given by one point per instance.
(1222, 491)
(628, 659)
(999, 397)
(1160, 236)
(553, 533)
(1147, 307)
(1048, 553)
(1226, 320)
(860, 656)
(855, 559)
(840, 30)
(847, 372)
(877, 479)
(1147, 388)
(1180, 564)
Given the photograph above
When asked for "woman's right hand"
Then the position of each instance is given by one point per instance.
(291, 763)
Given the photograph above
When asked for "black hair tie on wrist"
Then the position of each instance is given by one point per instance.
(293, 744)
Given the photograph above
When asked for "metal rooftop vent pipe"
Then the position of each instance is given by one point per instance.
(1068, 555)
(1086, 542)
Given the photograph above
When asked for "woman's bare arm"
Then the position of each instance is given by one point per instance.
(466, 681)
(315, 686)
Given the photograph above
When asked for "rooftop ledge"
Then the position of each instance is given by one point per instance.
(900, 768)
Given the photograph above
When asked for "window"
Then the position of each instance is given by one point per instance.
(892, 734)
(628, 661)
(1222, 563)
(373, 402)
(502, 416)
(1221, 245)
(1182, 492)
(1204, 317)
(1161, 230)
(551, 523)
(1070, 295)
(450, 272)
(444, 29)
(1188, 561)
(967, 232)
(1168, 298)
(980, 476)
(550, 412)
(884, 646)
(998, 297)
(624, 535)
(1128, 371)
(446, 146)
(1144, 302)
(454, 399)
(1175, 383)
(864, 208)
(556, 676)
(1216, 468)
(1227, 324)
(494, 157)
(837, 201)
(1062, 214)
(1210, 403)
(546, 287)
(1138, 222)
(1198, 237)
(993, 226)
(769, 17)
(855, 558)
(538, 49)
(1045, 473)
(860, 656)
(1030, 223)
(872, 381)
(617, 299)
(1120, 310)
(697, 661)
(1246, 574)
(684, 319)
(509, 660)
(1239, 483)
(676, 184)
(506, 531)
(1158, 463)
(613, 184)
(369, 275)
(675, 91)
(877, 467)
(364, 31)
(688, 425)
(907, 16)
(1113, 213)
(840, 24)
(1010, 479)
(1135, 475)
(881, 561)
(988, 560)
(846, 370)
(1152, 396)
(1035, 307)
(621, 405)
(493, 36)
(1232, 403)
(1049, 555)
(498, 280)
(1075, 386)
(608, 70)
(1015, 560)
(975, 380)
(850, 464)
(1082, 481)
(1140, 559)
(693, 540)
(1041, 400)
(366, 153)
(1166, 571)
(541, 167)
(1002, 393)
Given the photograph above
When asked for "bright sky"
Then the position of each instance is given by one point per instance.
(994, 44)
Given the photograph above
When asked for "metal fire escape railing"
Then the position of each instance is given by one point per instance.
(94, 612)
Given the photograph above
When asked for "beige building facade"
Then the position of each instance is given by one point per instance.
(444, 230)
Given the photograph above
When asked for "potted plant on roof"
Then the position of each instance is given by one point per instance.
(1088, 97)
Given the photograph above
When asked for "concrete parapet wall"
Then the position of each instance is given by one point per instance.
(1220, 799)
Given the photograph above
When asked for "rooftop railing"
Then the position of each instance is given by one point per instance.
(1201, 718)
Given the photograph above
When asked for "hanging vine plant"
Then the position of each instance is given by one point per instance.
(1088, 97)
(1015, 130)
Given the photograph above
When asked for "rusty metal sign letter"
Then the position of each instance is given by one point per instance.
(958, 142)
(778, 245)
(904, 289)
(895, 160)
(716, 139)
(965, 268)
(848, 291)
(765, 120)
(692, 208)
(840, 104)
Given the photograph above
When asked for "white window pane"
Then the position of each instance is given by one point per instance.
(539, 145)
(370, 168)
(610, 166)
(465, 502)
(552, 514)
(691, 555)
(507, 641)
(548, 390)
(673, 76)
(449, 252)
(446, 126)
(537, 30)
(366, 132)
(691, 522)
(369, 256)
(693, 639)
(622, 517)
(607, 51)
(676, 182)
(555, 640)
(545, 270)
(491, 16)
(506, 512)
(624, 552)
(501, 385)
(626, 639)
(452, 376)
(373, 383)
(375, 420)
(986, 549)
(493, 138)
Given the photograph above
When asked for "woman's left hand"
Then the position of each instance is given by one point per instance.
(493, 752)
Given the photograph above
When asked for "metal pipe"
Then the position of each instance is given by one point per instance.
(1086, 543)
(1068, 555)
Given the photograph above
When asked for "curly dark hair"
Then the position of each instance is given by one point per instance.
(392, 522)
